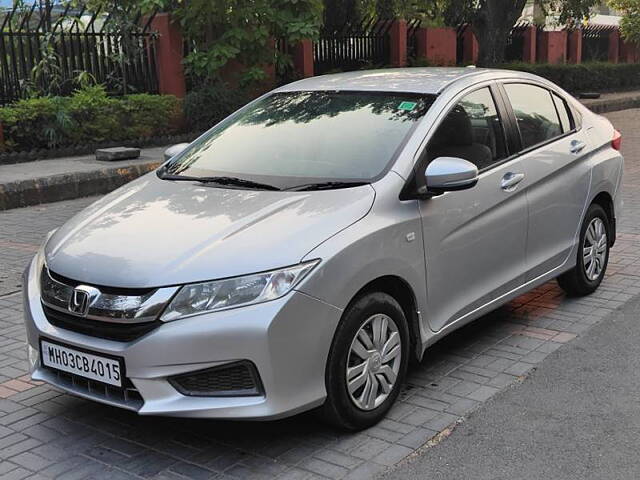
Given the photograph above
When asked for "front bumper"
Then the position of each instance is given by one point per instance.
(287, 340)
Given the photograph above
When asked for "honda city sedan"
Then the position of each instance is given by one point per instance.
(300, 253)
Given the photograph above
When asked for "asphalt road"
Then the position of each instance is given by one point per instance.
(576, 417)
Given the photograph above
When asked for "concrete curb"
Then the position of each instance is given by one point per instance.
(69, 186)
(612, 105)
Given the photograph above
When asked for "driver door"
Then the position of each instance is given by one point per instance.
(474, 239)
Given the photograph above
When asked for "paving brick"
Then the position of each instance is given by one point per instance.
(323, 468)
(440, 422)
(519, 368)
(338, 458)
(564, 337)
(463, 407)
(366, 471)
(17, 448)
(16, 474)
(31, 461)
(417, 438)
(483, 393)
(6, 467)
(393, 455)
(294, 474)
(370, 449)
(189, 470)
(146, 464)
(384, 434)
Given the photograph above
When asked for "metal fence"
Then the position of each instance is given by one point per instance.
(351, 47)
(412, 29)
(44, 47)
(514, 50)
(595, 42)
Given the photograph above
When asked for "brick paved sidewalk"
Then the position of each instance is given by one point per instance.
(46, 434)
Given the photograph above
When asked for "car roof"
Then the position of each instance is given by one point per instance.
(427, 80)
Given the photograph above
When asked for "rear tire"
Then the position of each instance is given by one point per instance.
(367, 363)
(592, 256)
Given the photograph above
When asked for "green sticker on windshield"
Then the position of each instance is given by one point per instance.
(407, 106)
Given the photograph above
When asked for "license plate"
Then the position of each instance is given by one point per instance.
(87, 365)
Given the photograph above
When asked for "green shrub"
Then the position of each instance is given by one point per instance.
(592, 76)
(30, 123)
(208, 104)
(88, 116)
(151, 115)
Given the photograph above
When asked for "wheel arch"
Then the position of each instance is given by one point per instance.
(605, 200)
(403, 293)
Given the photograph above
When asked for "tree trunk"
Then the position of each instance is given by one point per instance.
(491, 24)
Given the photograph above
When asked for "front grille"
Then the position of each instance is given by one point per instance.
(127, 397)
(104, 289)
(238, 379)
(120, 332)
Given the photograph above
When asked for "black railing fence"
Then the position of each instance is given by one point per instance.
(514, 50)
(595, 42)
(350, 47)
(412, 29)
(46, 48)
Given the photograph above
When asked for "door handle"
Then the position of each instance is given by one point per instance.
(577, 146)
(510, 181)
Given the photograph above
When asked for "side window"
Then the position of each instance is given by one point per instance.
(535, 113)
(471, 130)
(563, 112)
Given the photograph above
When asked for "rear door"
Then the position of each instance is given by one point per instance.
(553, 150)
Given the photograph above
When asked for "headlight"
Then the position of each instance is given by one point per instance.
(39, 258)
(235, 292)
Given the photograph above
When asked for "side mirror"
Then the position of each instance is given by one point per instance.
(450, 173)
(174, 150)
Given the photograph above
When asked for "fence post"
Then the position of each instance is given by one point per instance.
(303, 58)
(1, 138)
(614, 46)
(398, 43)
(169, 48)
(552, 47)
(470, 47)
(438, 45)
(529, 44)
(574, 55)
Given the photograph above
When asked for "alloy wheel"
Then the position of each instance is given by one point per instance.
(594, 249)
(374, 361)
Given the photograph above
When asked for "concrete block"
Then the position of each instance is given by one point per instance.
(117, 153)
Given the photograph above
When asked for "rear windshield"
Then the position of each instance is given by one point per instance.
(296, 137)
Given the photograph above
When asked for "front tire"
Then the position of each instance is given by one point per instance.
(367, 363)
(592, 255)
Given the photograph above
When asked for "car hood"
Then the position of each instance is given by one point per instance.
(153, 233)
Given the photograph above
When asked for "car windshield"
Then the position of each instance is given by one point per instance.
(303, 138)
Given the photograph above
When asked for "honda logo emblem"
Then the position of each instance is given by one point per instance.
(81, 299)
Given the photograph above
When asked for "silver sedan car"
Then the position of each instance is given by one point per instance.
(300, 253)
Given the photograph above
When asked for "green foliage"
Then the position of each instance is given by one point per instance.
(492, 20)
(31, 122)
(595, 76)
(210, 103)
(630, 23)
(219, 31)
(430, 12)
(88, 116)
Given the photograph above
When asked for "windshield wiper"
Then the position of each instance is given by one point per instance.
(234, 181)
(326, 186)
